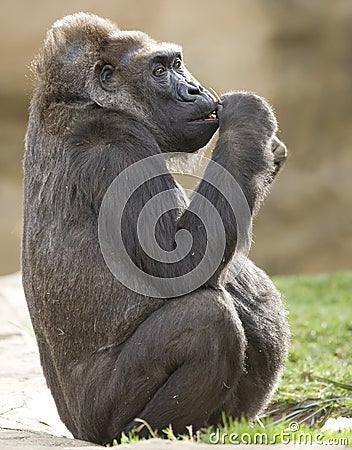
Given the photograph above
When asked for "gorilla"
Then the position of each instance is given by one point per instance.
(103, 100)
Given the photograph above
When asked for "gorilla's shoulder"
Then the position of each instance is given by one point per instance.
(113, 129)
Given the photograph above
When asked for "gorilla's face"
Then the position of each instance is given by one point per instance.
(182, 112)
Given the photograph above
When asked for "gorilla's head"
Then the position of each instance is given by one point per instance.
(88, 60)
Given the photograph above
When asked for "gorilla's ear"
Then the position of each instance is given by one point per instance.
(107, 82)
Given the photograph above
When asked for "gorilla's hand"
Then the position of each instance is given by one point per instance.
(247, 117)
(246, 112)
(280, 153)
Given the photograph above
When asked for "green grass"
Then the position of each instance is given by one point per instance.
(317, 382)
(320, 316)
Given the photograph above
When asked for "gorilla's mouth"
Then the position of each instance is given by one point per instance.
(213, 115)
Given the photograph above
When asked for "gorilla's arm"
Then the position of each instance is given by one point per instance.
(243, 150)
(247, 127)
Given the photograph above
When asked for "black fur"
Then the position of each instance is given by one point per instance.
(110, 355)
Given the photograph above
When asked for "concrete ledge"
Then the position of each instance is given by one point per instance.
(35, 440)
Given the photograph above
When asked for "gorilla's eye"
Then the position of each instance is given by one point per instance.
(158, 71)
(106, 73)
(177, 63)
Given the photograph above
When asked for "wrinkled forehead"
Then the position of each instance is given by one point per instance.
(126, 47)
(163, 51)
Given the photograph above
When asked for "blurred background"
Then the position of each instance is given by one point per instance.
(297, 53)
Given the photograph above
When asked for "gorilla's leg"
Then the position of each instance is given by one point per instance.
(263, 318)
(177, 368)
(54, 384)
(254, 390)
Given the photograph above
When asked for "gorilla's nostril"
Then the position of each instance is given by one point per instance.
(189, 92)
(193, 91)
(194, 88)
